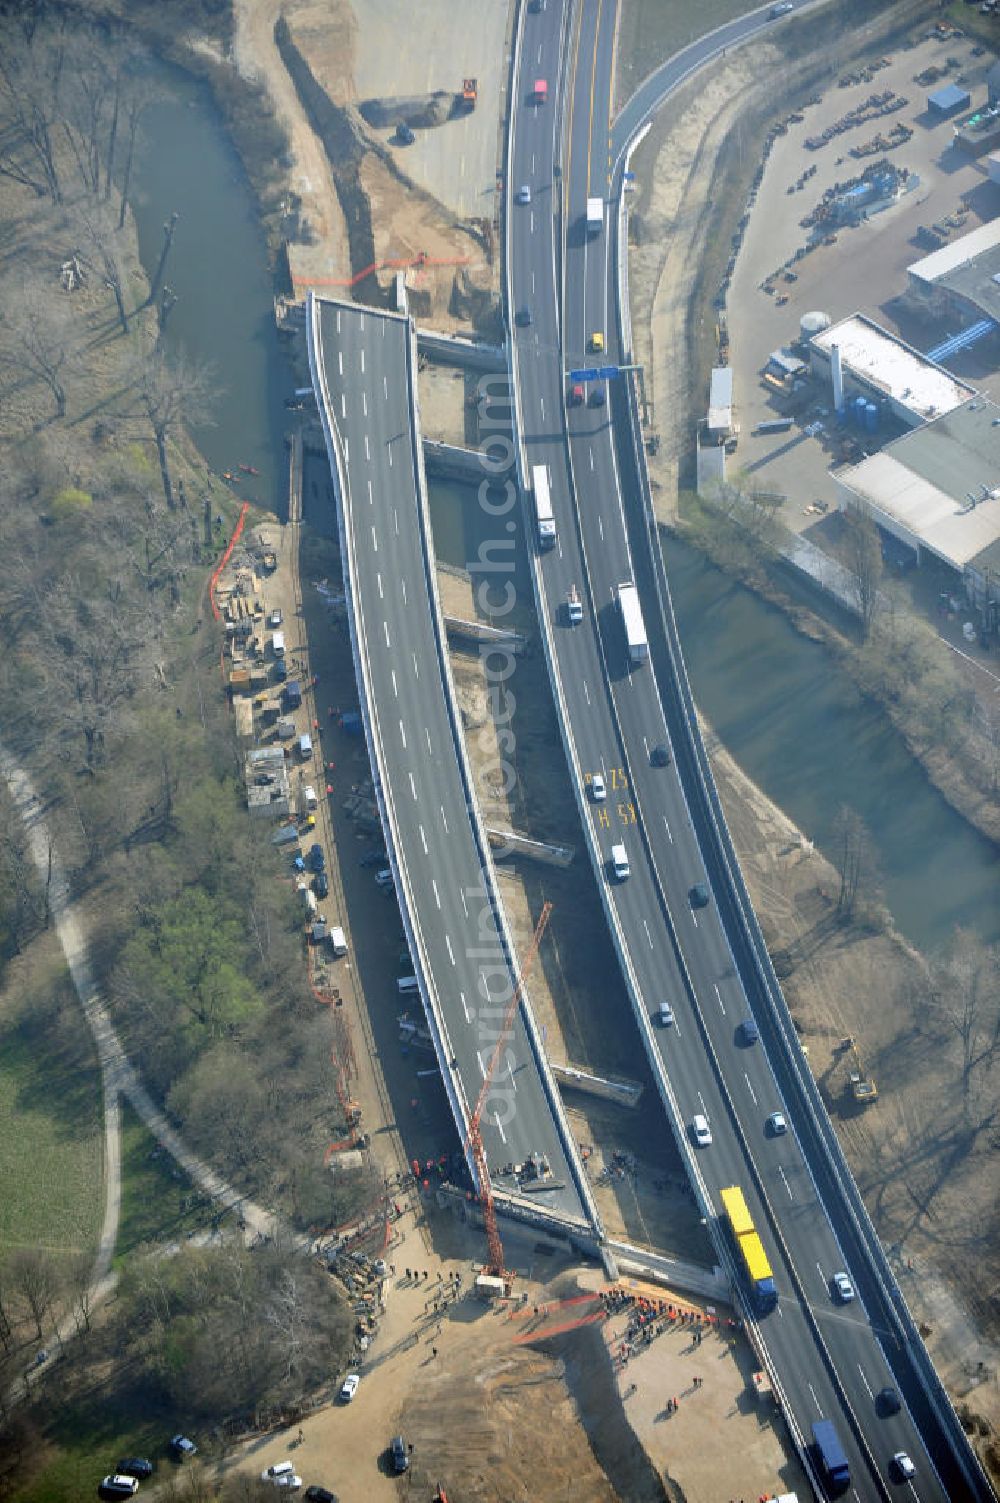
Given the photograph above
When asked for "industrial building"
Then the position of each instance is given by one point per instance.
(887, 372)
(937, 490)
(961, 280)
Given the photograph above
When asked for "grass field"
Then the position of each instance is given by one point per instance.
(650, 31)
(51, 1140)
(159, 1203)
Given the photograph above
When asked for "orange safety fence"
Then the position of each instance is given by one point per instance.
(226, 557)
(404, 264)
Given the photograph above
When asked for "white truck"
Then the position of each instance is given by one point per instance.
(595, 216)
(635, 627)
(545, 520)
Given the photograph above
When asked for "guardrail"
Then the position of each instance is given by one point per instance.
(840, 1179)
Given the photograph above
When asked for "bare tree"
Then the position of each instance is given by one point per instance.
(865, 564)
(101, 235)
(968, 983)
(81, 1292)
(41, 326)
(171, 390)
(94, 659)
(32, 68)
(136, 97)
(855, 860)
(33, 1276)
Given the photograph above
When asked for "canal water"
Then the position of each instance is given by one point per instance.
(797, 726)
(218, 269)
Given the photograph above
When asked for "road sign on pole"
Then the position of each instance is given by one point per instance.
(605, 372)
(590, 374)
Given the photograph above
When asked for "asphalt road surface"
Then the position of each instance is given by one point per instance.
(363, 355)
(676, 952)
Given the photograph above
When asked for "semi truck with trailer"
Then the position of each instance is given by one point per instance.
(635, 627)
(545, 522)
(750, 1253)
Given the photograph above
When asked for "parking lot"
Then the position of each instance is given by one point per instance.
(864, 269)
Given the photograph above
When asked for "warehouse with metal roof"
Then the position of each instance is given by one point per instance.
(962, 279)
(937, 489)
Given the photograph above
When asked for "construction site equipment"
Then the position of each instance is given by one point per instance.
(860, 1085)
(470, 93)
(495, 1268)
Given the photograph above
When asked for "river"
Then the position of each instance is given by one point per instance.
(794, 723)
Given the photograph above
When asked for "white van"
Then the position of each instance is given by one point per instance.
(309, 800)
(338, 941)
(304, 747)
(278, 644)
(384, 877)
(619, 863)
(407, 985)
(309, 899)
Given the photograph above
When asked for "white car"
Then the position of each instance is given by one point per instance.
(598, 788)
(844, 1288)
(700, 1130)
(275, 619)
(776, 1124)
(665, 1015)
(282, 1474)
(903, 1466)
(350, 1387)
(524, 194)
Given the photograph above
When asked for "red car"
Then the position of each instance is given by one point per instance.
(576, 396)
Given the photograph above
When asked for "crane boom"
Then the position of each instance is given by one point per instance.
(475, 1137)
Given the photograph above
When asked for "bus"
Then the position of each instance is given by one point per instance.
(749, 1249)
(544, 519)
(635, 627)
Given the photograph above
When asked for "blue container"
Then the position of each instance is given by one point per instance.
(871, 417)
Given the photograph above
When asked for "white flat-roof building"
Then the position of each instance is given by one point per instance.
(883, 368)
(938, 488)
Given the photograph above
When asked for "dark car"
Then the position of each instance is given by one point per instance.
(660, 755)
(405, 137)
(280, 670)
(317, 1494)
(523, 317)
(374, 857)
(316, 859)
(749, 1032)
(135, 1466)
(400, 1455)
(698, 895)
(598, 396)
(321, 885)
(887, 1401)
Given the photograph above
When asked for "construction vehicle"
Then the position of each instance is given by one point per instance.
(495, 1268)
(860, 1086)
(470, 93)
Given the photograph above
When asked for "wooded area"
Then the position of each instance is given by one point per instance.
(111, 694)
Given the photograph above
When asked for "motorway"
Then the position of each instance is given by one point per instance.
(363, 364)
(830, 1359)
